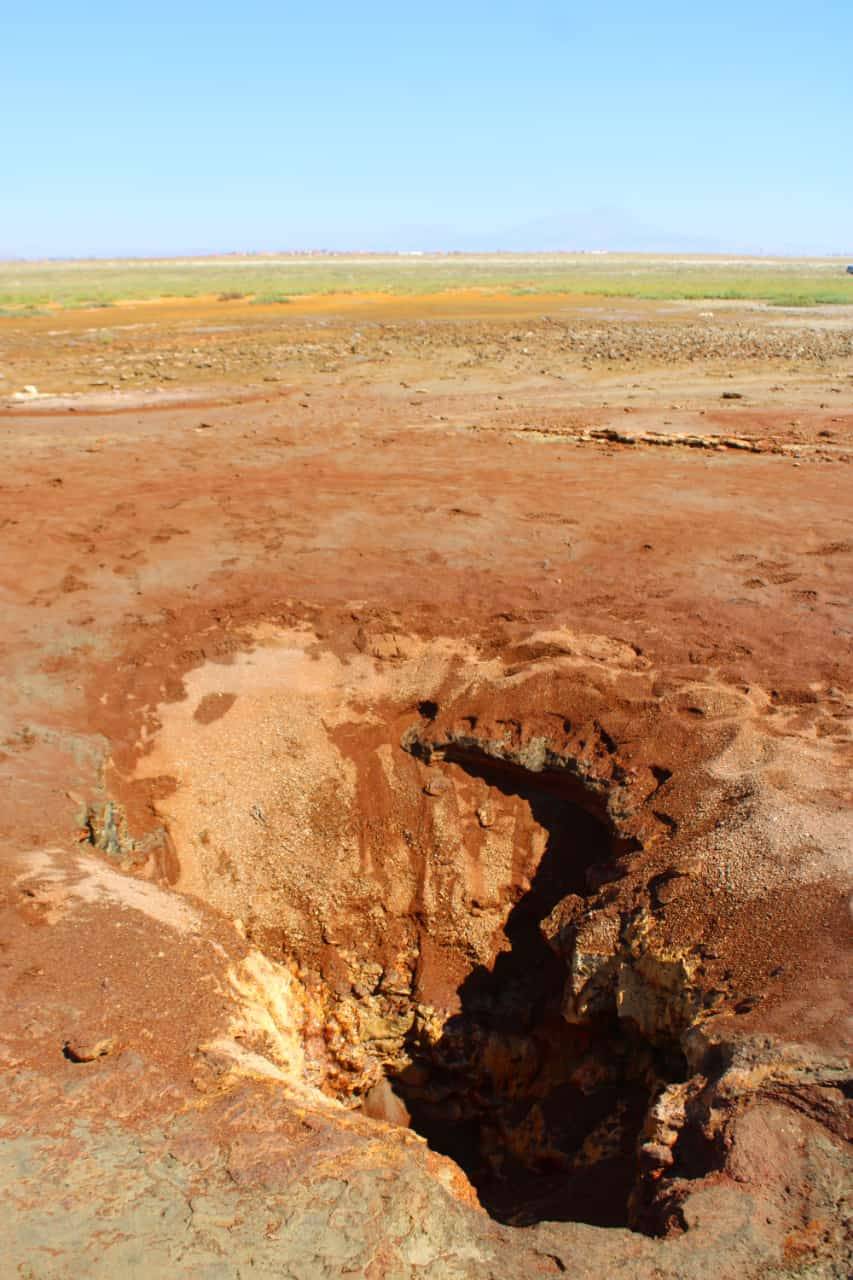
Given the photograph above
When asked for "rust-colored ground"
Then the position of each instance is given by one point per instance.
(240, 546)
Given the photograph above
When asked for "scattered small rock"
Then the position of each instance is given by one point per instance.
(435, 786)
(382, 1103)
(83, 1050)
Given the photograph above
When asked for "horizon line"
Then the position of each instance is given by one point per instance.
(317, 252)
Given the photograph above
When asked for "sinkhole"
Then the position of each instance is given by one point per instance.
(544, 1116)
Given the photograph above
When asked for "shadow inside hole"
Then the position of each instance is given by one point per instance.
(542, 1116)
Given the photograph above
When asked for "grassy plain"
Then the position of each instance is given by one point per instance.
(33, 286)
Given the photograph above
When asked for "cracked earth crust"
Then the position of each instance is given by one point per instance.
(425, 826)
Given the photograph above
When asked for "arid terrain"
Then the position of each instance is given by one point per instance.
(425, 820)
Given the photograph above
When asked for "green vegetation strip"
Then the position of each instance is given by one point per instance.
(28, 286)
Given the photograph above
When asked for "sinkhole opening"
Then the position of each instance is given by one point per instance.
(544, 1116)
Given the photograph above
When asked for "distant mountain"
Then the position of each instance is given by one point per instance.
(604, 227)
(599, 228)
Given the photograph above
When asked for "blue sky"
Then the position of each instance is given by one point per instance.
(176, 128)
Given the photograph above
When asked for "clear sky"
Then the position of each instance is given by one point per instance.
(185, 127)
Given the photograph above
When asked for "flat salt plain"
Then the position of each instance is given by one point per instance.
(34, 286)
